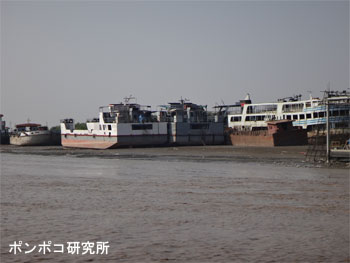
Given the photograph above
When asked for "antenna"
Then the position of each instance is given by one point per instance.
(310, 94)
(127, 99)
(182, 100)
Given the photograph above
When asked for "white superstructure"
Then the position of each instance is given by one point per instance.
(304, 113)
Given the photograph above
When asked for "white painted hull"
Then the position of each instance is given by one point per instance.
(105, 142)
(120, 135)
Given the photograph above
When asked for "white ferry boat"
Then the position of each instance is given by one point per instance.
(30, 134)
(124, 124)
(306, 114)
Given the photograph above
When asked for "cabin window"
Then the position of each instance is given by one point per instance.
(301, 116)
(333, 113)
(308, 104)
(236, 118)
(199, 126)
(344, 113)
(321, 114)
(308, 115)
(315, 114)
(109, 127)
(289, 117)
(100, 127)
(295, 117)
(250, 118)
(142, 127)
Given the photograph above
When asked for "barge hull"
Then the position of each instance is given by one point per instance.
(106, 142)
(261, 138)
(183, 134)
(31, 140)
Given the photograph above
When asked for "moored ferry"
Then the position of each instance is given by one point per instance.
(191, 124)
(118, 125)
(307, 114)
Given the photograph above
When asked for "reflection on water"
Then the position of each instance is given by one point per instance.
(185, 210)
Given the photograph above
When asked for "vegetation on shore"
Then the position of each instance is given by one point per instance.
(78, 126)
(55, 129)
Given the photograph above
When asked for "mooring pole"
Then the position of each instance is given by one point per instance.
(328, 152)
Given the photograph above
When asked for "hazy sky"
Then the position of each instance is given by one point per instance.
(66, 58)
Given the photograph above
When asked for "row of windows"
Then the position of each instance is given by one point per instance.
(293, 107)
(255, 118)
(294, 116)
(261, 108)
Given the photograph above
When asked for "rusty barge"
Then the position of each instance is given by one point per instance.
(278, 133)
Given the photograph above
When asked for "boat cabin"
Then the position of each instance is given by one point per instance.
(30, 127)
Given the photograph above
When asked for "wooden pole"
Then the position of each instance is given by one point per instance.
(328, 135)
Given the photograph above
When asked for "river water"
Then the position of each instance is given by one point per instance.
(181, 210)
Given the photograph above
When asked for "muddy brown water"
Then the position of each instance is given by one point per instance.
(174, 209)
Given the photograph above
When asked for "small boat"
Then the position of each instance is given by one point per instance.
(30, 134)
(278, 133)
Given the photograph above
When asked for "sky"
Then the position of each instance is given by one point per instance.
(64, 59)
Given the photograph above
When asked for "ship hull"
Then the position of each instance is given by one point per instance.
(196, 134)
(31, 140)
(109, 142)
(264, 139)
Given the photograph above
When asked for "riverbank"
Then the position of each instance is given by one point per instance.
(292, 155)
(283, 155)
